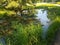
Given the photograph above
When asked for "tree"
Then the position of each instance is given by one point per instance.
(20, 8)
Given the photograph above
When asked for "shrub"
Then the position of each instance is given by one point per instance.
(29, 34)
(53, 28)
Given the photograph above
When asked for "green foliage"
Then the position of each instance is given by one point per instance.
(17, 32)
(26, 34)
(53, 12)
(18, 8)
(53, 28)
(58, 2)
(1, 43)
(19, 26)
(12, 4)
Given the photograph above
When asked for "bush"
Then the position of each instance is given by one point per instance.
(29, 34)
(53, 28)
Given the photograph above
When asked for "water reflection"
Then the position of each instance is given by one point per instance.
(42, 16)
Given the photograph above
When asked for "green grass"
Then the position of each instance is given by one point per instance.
(21, 33)
(30, 34)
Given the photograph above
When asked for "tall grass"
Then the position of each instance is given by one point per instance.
(29, 34)
(16, 33)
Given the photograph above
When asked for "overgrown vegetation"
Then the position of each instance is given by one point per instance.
(19, 26)
(19, 32)
(52, 30)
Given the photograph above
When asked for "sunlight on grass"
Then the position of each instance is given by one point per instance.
(29, 4)
(58, 2)
(38, 5)
(44, 4)
(47, 4)
(2, 12)
(58, 18)
(12, 4)
(7, 12)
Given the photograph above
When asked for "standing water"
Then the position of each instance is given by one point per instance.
(42, 16)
